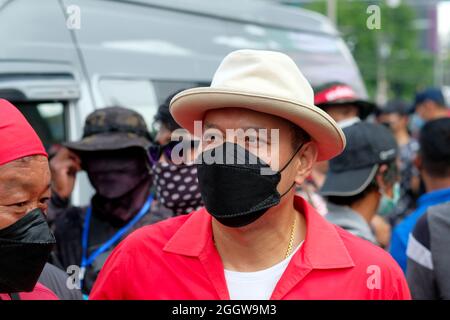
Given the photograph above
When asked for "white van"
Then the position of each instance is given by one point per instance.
(135, 53)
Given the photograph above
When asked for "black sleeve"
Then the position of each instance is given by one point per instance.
(67, 226)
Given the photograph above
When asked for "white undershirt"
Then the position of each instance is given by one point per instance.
(257, 285)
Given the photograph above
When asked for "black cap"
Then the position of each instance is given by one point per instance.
(394, 106)
(112, 128)
(368, 146)
(433, 94)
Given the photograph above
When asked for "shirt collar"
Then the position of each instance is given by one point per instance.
(434, 197)
(323, 246)
(348, 122)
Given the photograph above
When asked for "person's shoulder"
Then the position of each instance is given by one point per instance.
(404, 228)
(365, 254)
(376, 267)
(155, 235)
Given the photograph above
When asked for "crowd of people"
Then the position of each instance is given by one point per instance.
(350, 201)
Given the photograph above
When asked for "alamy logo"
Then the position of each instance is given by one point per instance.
(75, 275)
(73, 20)
(374, 20)
(374, 279)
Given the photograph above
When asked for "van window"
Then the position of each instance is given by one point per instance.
(138, 95)
(47, 118)
(143, 96)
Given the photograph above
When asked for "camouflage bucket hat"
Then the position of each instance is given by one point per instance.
(112, 128)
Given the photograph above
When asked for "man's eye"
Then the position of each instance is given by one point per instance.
(20, 204)
(209, 139)
(45, 200)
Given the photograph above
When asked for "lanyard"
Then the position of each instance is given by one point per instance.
(87, 261)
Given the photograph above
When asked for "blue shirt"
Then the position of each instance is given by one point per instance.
(401, 232)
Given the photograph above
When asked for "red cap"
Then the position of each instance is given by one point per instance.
(335, 93)
(17, 138)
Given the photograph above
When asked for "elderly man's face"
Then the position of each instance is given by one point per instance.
(235, 118)
(24, 186)
(342, 112)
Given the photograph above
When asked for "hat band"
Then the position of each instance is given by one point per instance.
(94, 129)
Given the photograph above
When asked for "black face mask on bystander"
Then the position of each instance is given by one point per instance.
(24, 249)
(238, 194)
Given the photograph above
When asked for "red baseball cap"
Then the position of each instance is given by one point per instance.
(338, 93)
(18, 138)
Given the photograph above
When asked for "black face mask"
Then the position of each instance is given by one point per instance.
(234, 191)
(24, 249)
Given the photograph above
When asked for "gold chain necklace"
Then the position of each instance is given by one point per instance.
(291, 240)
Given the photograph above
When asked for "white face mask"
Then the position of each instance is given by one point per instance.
(388, 204)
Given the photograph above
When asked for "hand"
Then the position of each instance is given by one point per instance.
(64, 167)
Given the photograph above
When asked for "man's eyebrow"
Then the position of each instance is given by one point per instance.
(254, 128)
(213, 126)
(210, 126)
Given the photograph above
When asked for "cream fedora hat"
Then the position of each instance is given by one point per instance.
(263, 81)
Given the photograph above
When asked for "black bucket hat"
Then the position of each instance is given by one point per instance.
(368, 146)
(112, 128)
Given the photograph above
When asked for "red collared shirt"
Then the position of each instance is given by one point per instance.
(176, 259)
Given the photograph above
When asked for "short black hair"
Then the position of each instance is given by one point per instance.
(434, 140)
(164, 116)
(299, 135)
(389, 177)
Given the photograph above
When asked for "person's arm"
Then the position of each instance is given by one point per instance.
(64, 167)
(420, 273)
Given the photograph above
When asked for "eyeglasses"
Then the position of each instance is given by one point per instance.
(155, 151)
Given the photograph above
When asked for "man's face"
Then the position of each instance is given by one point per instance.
(342, 112)
(221, 120)
(395, 121)
(426, 110)
(163, 135)
(24, 186)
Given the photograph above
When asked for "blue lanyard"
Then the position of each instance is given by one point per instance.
(87, 261)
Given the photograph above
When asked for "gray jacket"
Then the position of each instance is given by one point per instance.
(349, 220)
(429, 255)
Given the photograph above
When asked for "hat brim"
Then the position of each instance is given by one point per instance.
(108, 141)
(365, 107)
(192, 104)
(348, 183)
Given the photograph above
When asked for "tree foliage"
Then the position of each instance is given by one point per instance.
(407, 65)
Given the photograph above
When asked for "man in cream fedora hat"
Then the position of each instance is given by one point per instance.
(254, 239)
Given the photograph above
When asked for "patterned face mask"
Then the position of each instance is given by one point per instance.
(177, 187)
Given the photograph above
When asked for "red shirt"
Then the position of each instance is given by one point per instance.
(176, 259)
(39, 293)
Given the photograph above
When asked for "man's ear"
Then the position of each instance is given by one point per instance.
(307, 156)
(387, 189)
(417, 161)
(379, 177)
